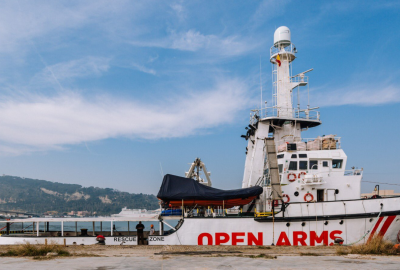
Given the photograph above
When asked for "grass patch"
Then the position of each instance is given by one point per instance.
(376, 246)
(29, 250)
(264, 247)
(309, 254)
(263, 256)
(342, 251)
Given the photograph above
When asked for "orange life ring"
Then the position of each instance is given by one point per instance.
(290, 174)
(301, 173)
(308, 194)
(287, 197)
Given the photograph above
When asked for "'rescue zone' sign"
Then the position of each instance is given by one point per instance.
(124, 239)
(299, 238)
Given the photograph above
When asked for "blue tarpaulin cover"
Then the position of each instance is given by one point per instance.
(180, 188)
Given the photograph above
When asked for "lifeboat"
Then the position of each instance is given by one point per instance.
(176, 190)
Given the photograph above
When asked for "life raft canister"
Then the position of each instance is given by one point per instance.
(291, 179)
(287, 197)
(311, 197)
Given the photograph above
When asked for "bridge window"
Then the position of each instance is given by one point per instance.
(280, 156)
(313, 165)
(280, 167)
(302, 155)
(293, 166)
(337, 163)
(294, 156)
(325, 164)
(303, 165)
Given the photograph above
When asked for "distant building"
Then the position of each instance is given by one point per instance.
(382, 193)
(51, 213)
(83, 213)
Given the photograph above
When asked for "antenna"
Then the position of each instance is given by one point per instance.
(162, 173)
(260, 87)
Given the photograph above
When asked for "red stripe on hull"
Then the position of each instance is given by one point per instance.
(386, 225)
(374, 229)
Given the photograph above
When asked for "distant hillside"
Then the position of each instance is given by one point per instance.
(40, 196)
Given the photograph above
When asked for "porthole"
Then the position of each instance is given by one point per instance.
(341, 222)
(336, 191)
(287, 224)
(296, 193)
(326, 222)
(303, 224)
(371, 219)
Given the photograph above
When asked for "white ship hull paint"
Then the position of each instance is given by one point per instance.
(309, 224)
(247, 231)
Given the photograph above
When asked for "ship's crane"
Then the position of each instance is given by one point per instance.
(194, 172)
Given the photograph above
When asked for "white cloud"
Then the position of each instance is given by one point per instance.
(80, 68)
(43, 123)
(367, 95)
(143, 69)
(193, 40)
(23, 21)
(179, 11)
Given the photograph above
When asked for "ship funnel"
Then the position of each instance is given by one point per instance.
(282, 37)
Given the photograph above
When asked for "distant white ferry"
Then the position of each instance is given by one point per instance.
(125, 212)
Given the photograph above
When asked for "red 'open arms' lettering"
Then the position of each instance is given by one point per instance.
(333, 235)
(221, 238)
(201, 237)
(252, 239)
(283, 240)
(299, 237)
(315, 239)
(235, 238)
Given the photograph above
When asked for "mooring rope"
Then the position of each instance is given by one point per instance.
(377, 218)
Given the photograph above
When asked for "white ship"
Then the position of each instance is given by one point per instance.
(138, 213)
(298, 190)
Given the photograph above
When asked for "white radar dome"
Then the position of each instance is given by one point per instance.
(282, 36)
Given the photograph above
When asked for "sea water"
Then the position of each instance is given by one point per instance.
(70, 226)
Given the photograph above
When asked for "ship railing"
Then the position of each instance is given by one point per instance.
(295, 113)
(353, 172)
(329, 142)
(281, 50)
(299, 79)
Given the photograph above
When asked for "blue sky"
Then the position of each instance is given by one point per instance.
(100, 93)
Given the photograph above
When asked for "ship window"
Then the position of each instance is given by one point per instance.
(294, 156)
(280, 167)
(293, 166)
(280, 156)
(313, 165)
(324, 163)
(302, 155)
(303, 165)
(337, 163)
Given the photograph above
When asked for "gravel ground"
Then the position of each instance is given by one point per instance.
(203, 257)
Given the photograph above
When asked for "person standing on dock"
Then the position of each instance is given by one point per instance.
(140, 228)
(152, 229)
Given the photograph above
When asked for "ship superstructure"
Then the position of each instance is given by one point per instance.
(309, 169)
